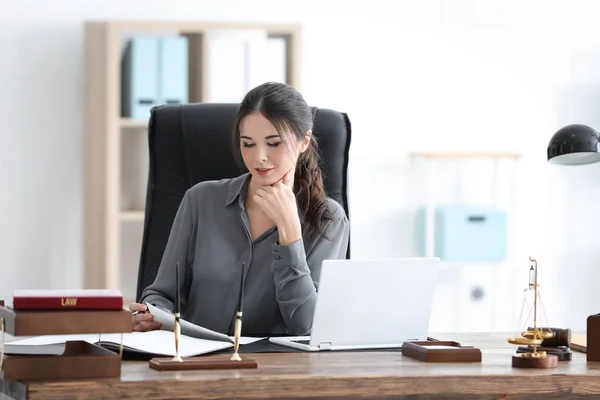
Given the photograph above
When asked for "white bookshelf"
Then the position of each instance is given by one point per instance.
(115, 150)
(133, 216)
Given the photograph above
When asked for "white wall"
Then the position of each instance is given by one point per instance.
(423, 75)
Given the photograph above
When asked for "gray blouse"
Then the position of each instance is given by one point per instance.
(211, 237)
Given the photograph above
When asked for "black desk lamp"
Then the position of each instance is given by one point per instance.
(578, 145)
(574, 145)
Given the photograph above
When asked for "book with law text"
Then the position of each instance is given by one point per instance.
(60, 299)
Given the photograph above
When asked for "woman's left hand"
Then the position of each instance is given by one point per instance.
(278, 202)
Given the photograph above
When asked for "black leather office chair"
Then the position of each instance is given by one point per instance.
(192, 143)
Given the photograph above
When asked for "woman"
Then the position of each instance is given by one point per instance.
(276, 220)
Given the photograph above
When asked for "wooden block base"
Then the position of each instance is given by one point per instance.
(80, 360)
(525, 360)
(192, 363)
(440, 351)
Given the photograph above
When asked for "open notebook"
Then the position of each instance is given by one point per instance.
(160, 343)
(194, 340)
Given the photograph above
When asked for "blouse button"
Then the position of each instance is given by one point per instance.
(277, 257)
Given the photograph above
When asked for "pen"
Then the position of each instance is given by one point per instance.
(238, 321)
(177, 314)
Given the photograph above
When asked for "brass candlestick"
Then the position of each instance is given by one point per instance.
(238, 320)
(177, 327)
(238, 329)
(220, 361)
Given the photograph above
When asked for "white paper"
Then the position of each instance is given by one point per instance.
(187, 328)
(246, 339)
(55, 339)
(56, 349)
(154, 342)
(163, 343)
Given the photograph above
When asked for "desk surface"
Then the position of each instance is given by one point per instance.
(329, 375)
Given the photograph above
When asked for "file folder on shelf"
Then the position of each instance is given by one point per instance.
(154, 72)
(173, 70)
(237, 62)
(139, 77)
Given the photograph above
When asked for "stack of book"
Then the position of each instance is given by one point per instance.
(64, 312)
(195, 340)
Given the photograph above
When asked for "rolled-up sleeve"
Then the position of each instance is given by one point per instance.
(297, 273)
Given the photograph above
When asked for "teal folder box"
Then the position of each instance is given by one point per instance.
(154, 71)
(173, 80)
(139, 77)
(465, 233)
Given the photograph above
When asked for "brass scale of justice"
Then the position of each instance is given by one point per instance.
(534, 355)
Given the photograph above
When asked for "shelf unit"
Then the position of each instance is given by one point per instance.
(115, 148)
(470, 296)
(128, 123)
(432, 159)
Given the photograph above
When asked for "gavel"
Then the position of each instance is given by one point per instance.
(562, 337)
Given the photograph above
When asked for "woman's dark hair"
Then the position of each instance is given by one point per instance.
(287, 110)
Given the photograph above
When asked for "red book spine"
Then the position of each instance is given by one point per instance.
(61, 303)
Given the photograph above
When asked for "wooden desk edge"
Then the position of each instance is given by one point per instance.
(372, 386)
(370, 375)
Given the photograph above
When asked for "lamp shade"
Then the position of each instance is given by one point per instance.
(574, 145)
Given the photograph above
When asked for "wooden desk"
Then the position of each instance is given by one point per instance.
(329, 375)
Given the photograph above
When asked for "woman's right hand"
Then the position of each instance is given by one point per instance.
(143, 321)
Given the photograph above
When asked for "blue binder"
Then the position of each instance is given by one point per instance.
(139, 79)
(173, 86)
(466, 233)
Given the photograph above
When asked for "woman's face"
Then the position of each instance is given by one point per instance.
(265, 154)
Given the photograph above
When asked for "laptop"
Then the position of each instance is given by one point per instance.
(370, 304)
